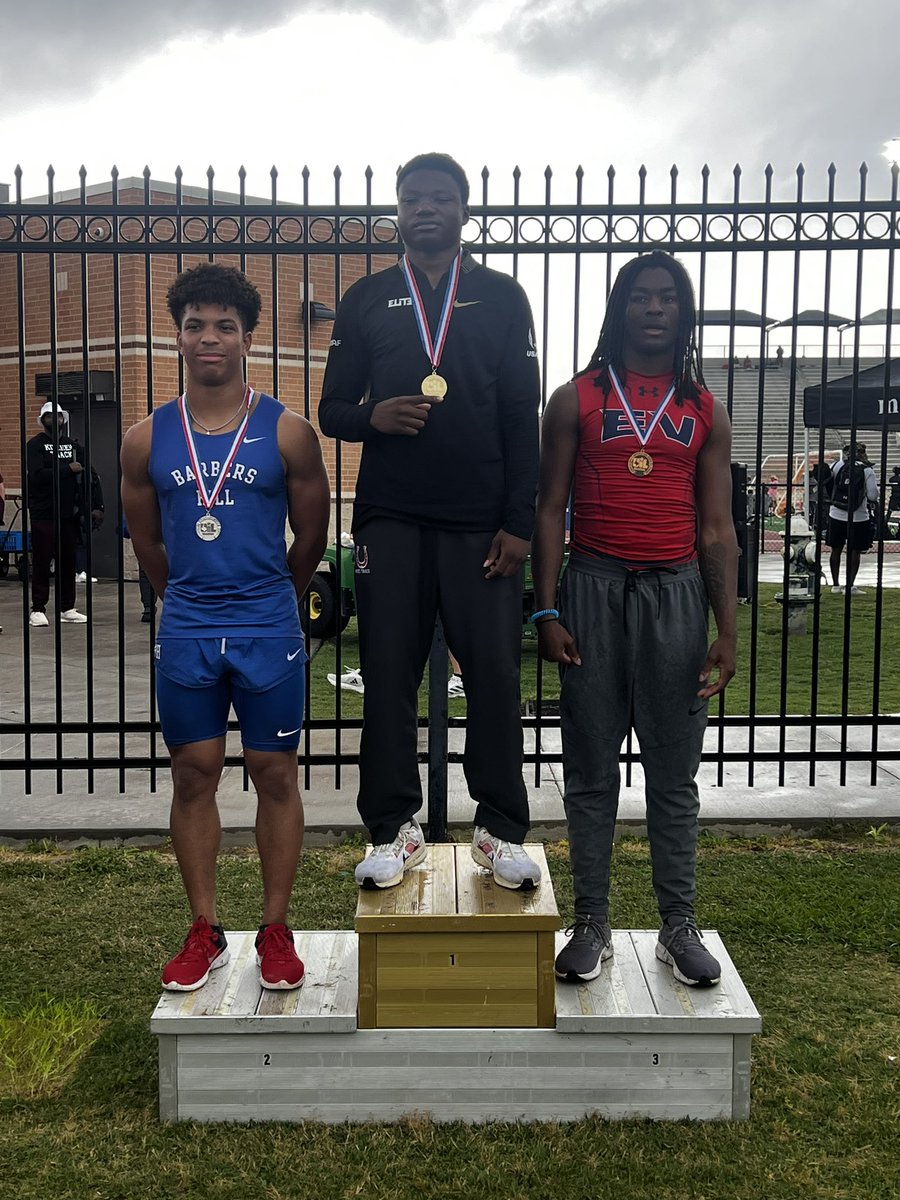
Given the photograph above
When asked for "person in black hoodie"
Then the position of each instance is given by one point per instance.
(55, 466)
(433, 368)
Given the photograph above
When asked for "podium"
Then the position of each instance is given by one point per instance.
(448, 948)
(442, 1004)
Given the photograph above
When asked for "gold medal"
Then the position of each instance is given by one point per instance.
(208, 528)
(435, 386)
(640, 463)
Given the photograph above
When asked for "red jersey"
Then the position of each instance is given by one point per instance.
(640, 518)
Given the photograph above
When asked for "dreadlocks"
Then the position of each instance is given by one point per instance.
(610, 349)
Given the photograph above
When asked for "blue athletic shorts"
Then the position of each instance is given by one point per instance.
(199, 679)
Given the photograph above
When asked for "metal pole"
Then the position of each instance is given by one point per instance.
(806, 473)
(437, 737)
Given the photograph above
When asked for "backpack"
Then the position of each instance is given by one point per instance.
(849, 488)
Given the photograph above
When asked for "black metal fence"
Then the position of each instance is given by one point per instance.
(768, 272)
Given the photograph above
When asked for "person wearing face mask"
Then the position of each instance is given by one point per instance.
(55, 469)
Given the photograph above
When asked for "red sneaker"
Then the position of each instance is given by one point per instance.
(204, 950)
(279, 966)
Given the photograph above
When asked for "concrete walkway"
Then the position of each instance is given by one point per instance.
(779, 800)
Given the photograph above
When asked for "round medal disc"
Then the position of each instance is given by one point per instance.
(434, 386)
(640, 463)
(208, 527)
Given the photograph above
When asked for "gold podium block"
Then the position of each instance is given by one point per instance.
(450, 949)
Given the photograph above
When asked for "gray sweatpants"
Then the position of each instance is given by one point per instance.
(642, 637)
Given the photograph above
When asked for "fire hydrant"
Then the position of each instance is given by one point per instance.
(803, 581)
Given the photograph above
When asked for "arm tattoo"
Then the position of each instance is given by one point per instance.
(714, 569)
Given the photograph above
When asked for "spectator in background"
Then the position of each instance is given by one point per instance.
(779, 356)
(90, 521)
(894, 494)
(2, 510)
(820, 480)
(55, 466)
(853, 489)
(772, 496)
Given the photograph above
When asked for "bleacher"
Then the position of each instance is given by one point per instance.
(742, 386)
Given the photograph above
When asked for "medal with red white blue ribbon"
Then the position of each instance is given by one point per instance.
(433, 385)
(209, 527)
(640, 463)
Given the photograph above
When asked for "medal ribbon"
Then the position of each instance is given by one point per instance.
(643, 438)
(208, 499)
(433, 348)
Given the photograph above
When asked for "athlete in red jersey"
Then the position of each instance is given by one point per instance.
(648, 451)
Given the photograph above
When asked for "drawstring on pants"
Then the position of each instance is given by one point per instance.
(631, 582)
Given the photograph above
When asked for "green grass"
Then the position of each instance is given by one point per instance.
(768, 672)
(812, 927)
(42, 1043)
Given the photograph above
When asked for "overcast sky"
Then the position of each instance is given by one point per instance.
(501, 82)
(497, 82)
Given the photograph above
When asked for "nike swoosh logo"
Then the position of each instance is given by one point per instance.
(283, 733)
(248, 441)
(458, 304)
(291, 657)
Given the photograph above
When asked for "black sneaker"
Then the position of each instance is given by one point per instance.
(582, 957)
(680, 944)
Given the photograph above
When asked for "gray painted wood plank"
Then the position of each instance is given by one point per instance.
(481, 1075)
(168, 1079)
(619, 991)
(740, 1090)
(242, 1005)
(637, 992)
(670, 1110)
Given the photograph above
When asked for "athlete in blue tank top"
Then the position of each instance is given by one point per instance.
(208, 483)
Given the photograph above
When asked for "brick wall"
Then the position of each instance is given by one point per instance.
(149, 376)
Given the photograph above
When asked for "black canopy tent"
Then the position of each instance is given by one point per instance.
(874, 403)
(733, 316)
(878, 317)
(813, 316)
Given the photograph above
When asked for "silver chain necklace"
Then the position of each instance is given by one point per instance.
(215, 428)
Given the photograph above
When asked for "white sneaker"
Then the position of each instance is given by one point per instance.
(510, 865)
(351, 681)
(837, 589)
(384, 867)
(857, 591)
(81, 577)
(455, 687)
(38, 618)
(73, 616)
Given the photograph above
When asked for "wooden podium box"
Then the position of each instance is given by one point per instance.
(632, 1044)
(448, 948)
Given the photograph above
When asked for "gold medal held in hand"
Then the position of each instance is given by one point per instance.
(434, 386)
(640, 463)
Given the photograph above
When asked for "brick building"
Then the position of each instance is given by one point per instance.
(101, 324)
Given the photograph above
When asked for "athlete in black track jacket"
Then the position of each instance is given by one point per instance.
(443, 514)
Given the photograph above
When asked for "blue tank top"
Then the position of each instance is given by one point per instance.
(238, 585)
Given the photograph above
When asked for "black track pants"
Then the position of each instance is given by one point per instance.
(406, 574)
